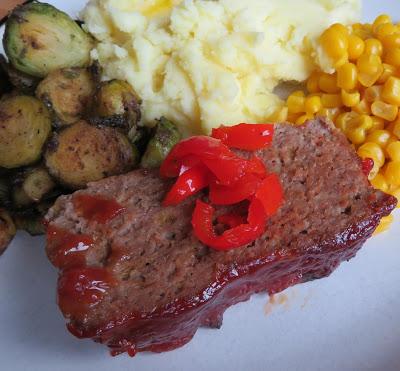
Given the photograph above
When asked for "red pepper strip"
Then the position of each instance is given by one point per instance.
(202, 147)
(202, 222)
(367, 165)
(270, 194)
(249, 137)
(231, 220)
(188, 184)
(242, 190)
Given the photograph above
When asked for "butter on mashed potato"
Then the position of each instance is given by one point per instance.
(202, 63)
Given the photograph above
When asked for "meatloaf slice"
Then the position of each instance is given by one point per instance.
(145, 283)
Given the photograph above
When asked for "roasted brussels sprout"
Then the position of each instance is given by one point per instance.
(7, 230)
(67, 92)
(39, 39)
(22, 82)
(5, 85)
(31, 222)
(140, 136)
(4, 192)
(165, 137)
(117, 105)
(83, 153)
(31, 186)
(25, 127)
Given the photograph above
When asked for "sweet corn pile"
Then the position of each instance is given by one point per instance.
(362, 96)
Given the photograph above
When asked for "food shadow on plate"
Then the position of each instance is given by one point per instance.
(34, 319)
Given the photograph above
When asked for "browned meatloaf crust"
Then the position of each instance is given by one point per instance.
(169, 284)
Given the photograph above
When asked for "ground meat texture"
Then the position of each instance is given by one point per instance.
(167, 284)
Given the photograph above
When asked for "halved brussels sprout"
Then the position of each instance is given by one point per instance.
(165, 137)
(140, 136)
(25, 127)
(31, 186)
(117, 105)
(21, 81)
(39, 39)
(82, 153)
(67, 92)
(7, 230)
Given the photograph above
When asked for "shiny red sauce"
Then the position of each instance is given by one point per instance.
(367, 165)
(66, 249)
(79, 289)
(95, 208)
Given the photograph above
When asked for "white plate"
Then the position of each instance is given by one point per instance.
(348, 321)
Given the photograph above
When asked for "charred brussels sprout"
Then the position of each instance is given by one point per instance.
(117, 105)
(25, 127)
(31, 186)
(5, 85)
(165, 137)
(4, 192)
(82, 153)
(7, 230)
(39, 39)
(67, 92)
(21, 81)
(30, 222)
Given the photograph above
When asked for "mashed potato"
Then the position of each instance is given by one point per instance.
(203, 63)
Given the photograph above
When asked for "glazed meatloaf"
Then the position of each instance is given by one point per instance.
(134, 277)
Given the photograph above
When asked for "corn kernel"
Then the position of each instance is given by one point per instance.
(393, 150)
(350, 99)
(382, 19)
(384, 30)
(392, 173)
(313, 83)
(328, 83)
(392, 56)
(386, 111)
(357, 135)
(374, 151)
(364, 121)
(384, 225)
(396, 129)
(343, 120)
(341, 61)
(347, 76)
(377, 123)
(369, 69)
(391, 41)
(340, 28)
(363, 31)
(391, 140)
(380, 137)
(295, 103)
(373, 47)
(373, 93)
(279, 115)
(388, 71)
(312, 105)
(391, 91)
(292, 117)
(302, 119)
(330, 113)
(363, 107)
(356, 47)
(379, 182)
(331, 100)
(334, 42)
